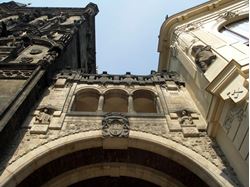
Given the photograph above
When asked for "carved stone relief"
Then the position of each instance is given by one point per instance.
(204, 56)
(35, 51)
(235, 113)
(15, 74)
(228, 15)
(115, 125)
(44, 116)
(42, 120)
(26, 60)
(238, 94)
(187, 122)
(185, 119)
(76, 125)
(152, 126)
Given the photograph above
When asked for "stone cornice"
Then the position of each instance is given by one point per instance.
(127, 79)
(11, 8)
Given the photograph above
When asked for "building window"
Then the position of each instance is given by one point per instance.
(115, 101)
(86, 101)
(238, 30)
(144, 101)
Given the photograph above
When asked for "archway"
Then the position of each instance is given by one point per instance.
(141, 151)
(144, 101)
(115, 100)
(86, 101)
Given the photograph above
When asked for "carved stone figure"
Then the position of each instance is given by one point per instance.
(35, 51)
(26, 60)
(237, 113)
(43, 116)
(115, 125)
(228, 15)
(50, 57)
(203, 56)
(185, 119)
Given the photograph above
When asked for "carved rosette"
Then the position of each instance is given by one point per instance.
(115, 125)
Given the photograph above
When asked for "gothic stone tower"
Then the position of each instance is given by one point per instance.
(35, 43)
(64, 125)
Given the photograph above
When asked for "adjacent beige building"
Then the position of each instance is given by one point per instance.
(208, 46)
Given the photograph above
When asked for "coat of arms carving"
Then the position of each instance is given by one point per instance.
(115, 125)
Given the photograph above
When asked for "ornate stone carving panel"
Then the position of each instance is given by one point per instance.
(155, 126)
(15, 74)
(115, 125)
(73, 124)
(237, 113)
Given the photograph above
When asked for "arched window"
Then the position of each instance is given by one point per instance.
(238, 30)
(115, 101)
(86, 101)
(144, 101)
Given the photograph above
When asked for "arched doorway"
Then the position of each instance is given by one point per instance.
(86, 156)
(114, 182)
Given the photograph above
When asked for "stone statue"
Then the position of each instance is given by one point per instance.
(203, 56)
(185, 119)
(43, 117)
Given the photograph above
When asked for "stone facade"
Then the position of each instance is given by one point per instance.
(176, 119)
(61, 123)
(35, 43)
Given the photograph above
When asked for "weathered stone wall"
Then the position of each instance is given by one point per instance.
(177, 121)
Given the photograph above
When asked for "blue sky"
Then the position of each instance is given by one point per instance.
(126, 30)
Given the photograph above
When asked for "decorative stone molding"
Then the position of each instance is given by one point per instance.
(127, 80)
(15, 74)
(189, 27)
(152, 126)
(115, 125)
(170, 86)
(22, 27)
(228, 15)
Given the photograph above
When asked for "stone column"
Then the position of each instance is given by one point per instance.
(158, 105)
(100, 103)
(130, 104)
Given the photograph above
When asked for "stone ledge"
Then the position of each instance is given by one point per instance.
(39, 129)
